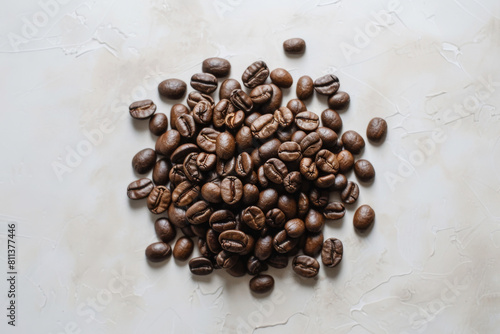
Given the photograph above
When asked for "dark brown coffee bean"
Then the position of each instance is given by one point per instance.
(140, 189)
(199, 213)
(211, 193)
(353, 142)
(261, 94)
(264, 126)
(307, 121)
(177, 175)
(199, 230)
(340, 182)
(315, 221)
(203, 247)
(377, 129)
(275, 218)
(219, 67)
(251, 178)
(257, 160)
(281, 78)
(275, 170)
(305, 266)
(142, 109)
(328, 137)
(313, 244)
(285, 134)
(231, 190)
(290, 151)
(294, 45)
(334, 210)
(332, 252)
(274, 102)
(212, 241)
(251, 118)
(159, 200)
(250, 194)
(244, 164)
(346, 161)
(204, 82)
(364, 170)
(185, 193)
(339, 100)
(187, 231)
(308, 169)
(298, 136)
(239, 269)
(158, 251)
(161, 171)
(327, 84)
(225, 167)
(177, 110)
(168, 142)
(278, 261)
(305, 87)
(206, 161)
(227, 87)
(264, 247)
(227, 259)
(183, 248)
(303, 205)
(253, 217)
(255, 266)
(350, 193)
(250, 245)
(233, 241)
(223, 108)
(331, 119)
(283, 116)
(255, 74)
(296, 106)
(295, 228)
(165, 231)
(292, 182)
(207, 139)
(177, 216)
(235, 120)
(283, 243)
(222, 220)
(318, 198)
(288, 205)
(200, 266)
(144, 161)
(325, 181)
(244, 138)
(158, 124)
(191, 169)
(186, 125)
(182, 152)
(172, 88)
(203, 112)
(241, 100)
(196, 97)
(268, 199)
(269, 149)
(363, 217)
(327, 162)
(225, 145)
(311, 144)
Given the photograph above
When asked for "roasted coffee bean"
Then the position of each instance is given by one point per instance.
(298, 136)
(168, 142)
(188, 231)
(313, 244)
(251, 178)
(200, 266)
(350, 193)
(222, 220)
(264, 126)
(377, 129)
(159, 200)
(275, 218)
(253, 217)
(268, 198)
(269, 149)
(281, 78)
(364, 170)
(283, 243)
(186, 125)
(325, 181)
(221, 110)
(318, 198)
(225, 167)
(235, 120)
(158, 124)
(327, 162)
(227, 87)
(261, 283)
(185, 193)
(244, 138)
(332, 252)
(275, 170)
(241, 100)
(308, 169)
(315, 221)
(285, 134)
(274, 102)
(165, 231)
(290, 151)
(339, 100)
(177, 216)
(288, 205)
(227, 259)
(195, 97)
(177, 110)
(161, 171)
(182, 152)
(233, 241)
(261, 94)
(294, 45)
(144, 161)
(353, 142)
(250, 194)
(231, 190)
(346, 161)
(257, 160)
(283, 116)
(199, 230)
(327, 84)
(255, 74)
(177, 175)
(140, 188)
(303, 205)
(307, 121)
(264, 247)
(203, 112)
(204, 82)
(277, 260)
(251, 118)
(239, 269)
(340, 182)
(225, 145)
(331, 119)
(158, 251)
(334, 210)
(172, 88)
(363, 217)
(191, 169)
(219, 67)
(142, 109)
(212, 241)
(305, 266)
(199, 213)
(305, 87)
(203, 247)
(328, 137)
(207, 139)
(255, 266)
(311, 144)
(295, 227)
(292, 182)
(250, 245)
(206, 161)
(244, 164)
(183, 248)
(296, 106)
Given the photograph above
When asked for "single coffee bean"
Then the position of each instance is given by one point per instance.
(305, 266)
(288, 205)
(281, 78)
(207, 139)
(235, 120)
(182, 152)
(253, 217)
(308, 169)
(227, 87)
(332, 252)
(244, 138)
(185, 193)
(231, 190)
(261, 283)
(264, 126)
(206, 161)
(290, 151)
(200, 266)
(269, 149)
(251, 178)
(159, 200)
(188, 231)
(350, 193)
(346, 161)
(227, 259)
(186, 125)
(283, 243)
(219, 67)
(250, 245)
(257, 160)
(183, 248)
(315, 221)
(168, 142)
(195, 97)
(239, 269)
(203, 247)
(255, 74)
(292, 182)
(325, 181)
(144, 161)
(364, 170)
(305, 87)
(303, 205)
(295, 227)
(199, 230)
(331, 119)
(211, 192)
(225, 167)
(251, 118)
(275, 170)
(296, 106)
(298, 136)
(177, 175)
(191, 169)
(158, 251)
(268, 198)
(334, 210)
(264, 247)
(327, 162)
(142, 109)
(140, 188)
(204, 82)
(223, 108)
(307, 121)
(339, 100)
(377, 129)
(328, 137)
(261, 94)
(250, 194)
(327, 84)
(340, 182)
(212, 241)
(158, 124)
(244, 164)
(225, 145)
(363, 217)
(222, 220)
(274, 102)
(165, 230)
(278, 261)
(203, 112)
(294, 45)
(255, 266)
(233, 241)
(311, 144)
(177, 216)
(199, 213)
(275, 218)
(241, 100)
(339, 146)
(172, 88)
(161, 171)
(177, 110)
(313, 244)
(284, 117)
(353, 142)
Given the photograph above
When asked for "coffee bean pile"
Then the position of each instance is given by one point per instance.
(249, 176)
